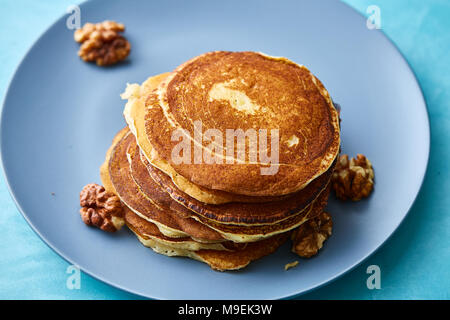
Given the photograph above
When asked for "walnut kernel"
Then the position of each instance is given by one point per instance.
(102, 43)
(354, 179)
(100, 208)
(308, 239)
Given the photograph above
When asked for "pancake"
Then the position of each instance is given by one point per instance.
(150, 237)
(154, 183)
(150, 230)
(104, 168)
(245, 90)
(134, 114)
(233, 232)
(241, 234)
(170, 224)
(235, 213)
(220, 260)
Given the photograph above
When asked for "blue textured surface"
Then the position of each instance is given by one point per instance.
(414, 262)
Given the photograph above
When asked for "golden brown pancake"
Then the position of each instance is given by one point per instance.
(133, 220)
(239, 233)
(251, 213)
(150, 230)
(239, 259)
(234, 212)
(220, 260)
(104, 168)
(171, 224)
(246, 90)
(257, 233)
(134, 113)
(233, 232)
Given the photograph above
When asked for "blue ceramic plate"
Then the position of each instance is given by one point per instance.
(60, 115)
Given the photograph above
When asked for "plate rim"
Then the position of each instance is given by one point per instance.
(292, 295)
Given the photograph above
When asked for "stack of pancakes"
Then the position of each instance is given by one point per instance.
(226, 211)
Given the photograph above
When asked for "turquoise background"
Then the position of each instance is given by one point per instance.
(415, 261)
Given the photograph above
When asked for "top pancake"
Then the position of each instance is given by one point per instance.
(245, 90)
(134, 114)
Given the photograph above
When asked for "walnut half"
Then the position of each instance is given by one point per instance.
(102, 43)
(100, 208)
(308, 239)
(353, 180)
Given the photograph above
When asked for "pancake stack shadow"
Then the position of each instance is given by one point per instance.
(228, 211)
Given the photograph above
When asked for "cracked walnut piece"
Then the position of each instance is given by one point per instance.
(100, 208)
(308, 239)
(102, 43)
(353, 180)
